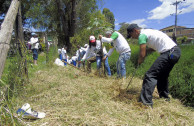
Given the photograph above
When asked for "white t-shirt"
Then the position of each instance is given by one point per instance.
(94, 50)
(59, 51)
(79, 51)
(156, 40)
(118, 42)
(64, 53)
(74, 58)
(33, 43)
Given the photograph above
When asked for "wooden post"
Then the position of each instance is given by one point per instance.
(19, 32)
(21, 40)
(6, 32)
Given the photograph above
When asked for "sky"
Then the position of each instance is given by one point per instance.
(156, 14)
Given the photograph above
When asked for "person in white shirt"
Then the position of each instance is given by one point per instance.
(60, 55)
(160, 69)
(80, 53)
(121, 45)
(95, 46)
(64, 55)
(74, 59)
(34, 46)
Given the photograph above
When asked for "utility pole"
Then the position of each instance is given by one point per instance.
(176, 4)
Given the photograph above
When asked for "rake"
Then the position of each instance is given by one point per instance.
(132, 77)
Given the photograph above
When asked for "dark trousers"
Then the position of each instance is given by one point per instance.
(89, 62)
(158, 75)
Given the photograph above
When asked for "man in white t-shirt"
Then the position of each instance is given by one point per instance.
(160, 69)
(121, 45)
(95, 47)
(34, 46)
(80, 53)
(73, 60)
(64, 54)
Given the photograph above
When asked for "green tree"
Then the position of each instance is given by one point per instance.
(123, 31)
(97, 25)
(109, 16)
(64, 17)
(123, 28)
(4, 6)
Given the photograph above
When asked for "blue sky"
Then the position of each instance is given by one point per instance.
(154, 14)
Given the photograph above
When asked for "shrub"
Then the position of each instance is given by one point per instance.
(112, 62)
(51, 55)
(182, 76)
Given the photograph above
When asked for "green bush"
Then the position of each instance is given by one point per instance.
(130, 65)
(181, 40)
(112, 62)
(182, 76)
(51, 55)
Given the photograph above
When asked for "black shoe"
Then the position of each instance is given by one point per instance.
(167, 99)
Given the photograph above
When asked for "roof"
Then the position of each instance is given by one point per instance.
(171, 27)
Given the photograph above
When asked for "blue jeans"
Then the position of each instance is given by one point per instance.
(121, 70)
(73, 62)
(65, 61)
(60, 56)
(35, 54)
(107, 67)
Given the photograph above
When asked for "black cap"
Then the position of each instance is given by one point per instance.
(130, 29)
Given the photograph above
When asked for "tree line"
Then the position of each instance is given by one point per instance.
(63, 18)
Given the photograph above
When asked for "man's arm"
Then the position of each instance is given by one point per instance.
(149, 50)
(109, 53)
(142, 53)
(106, 40)
(86, 54)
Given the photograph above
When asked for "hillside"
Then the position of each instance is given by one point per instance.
(71, 97)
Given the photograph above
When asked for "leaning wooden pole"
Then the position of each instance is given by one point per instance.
(6, 32)
(73, 66)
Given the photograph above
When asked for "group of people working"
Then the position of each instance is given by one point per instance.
(148, 40)
(74, 60)
(96, 52)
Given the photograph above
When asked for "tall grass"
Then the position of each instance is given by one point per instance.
(11, 85)
(182, 76)
(71, 97)
(14, 82)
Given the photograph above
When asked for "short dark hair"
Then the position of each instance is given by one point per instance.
(130, 29)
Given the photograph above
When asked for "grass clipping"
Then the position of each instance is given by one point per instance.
(70, 97)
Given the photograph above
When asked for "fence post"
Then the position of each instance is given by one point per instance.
(6, 32)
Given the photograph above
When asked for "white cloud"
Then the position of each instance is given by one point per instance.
(166, 8)
(187, 6)
(139, 22)
(116, 24)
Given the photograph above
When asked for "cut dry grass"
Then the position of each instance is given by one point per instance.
(71, 97)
